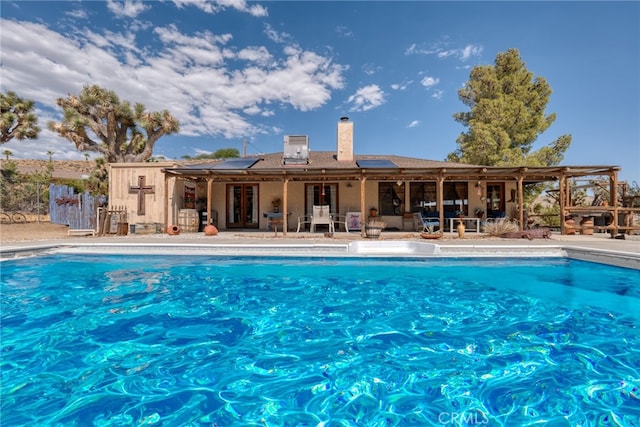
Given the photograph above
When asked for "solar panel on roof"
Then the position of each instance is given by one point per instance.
(201, 166)
(377, 163)
(239, 163)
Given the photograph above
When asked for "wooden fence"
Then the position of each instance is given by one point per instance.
(113, 221)
(78, 211)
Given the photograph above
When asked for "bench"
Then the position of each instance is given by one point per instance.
(81, 232)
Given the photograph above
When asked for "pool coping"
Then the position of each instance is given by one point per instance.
(386, 249)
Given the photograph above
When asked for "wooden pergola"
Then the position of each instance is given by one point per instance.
(521, 175)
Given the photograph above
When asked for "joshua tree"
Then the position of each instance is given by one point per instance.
(117, 126)
(18, 120)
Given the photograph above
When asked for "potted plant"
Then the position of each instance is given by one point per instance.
(430, 232)
(276, 204)
(374, 227)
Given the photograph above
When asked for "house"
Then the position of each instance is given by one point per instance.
(250, 192)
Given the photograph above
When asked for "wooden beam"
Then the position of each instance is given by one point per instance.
(520, 203)
(613, 179)
(209, 197)
(166, 202)
(440, 197)
(285, 205)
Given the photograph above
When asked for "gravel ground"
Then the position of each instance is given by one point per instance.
(32, 231)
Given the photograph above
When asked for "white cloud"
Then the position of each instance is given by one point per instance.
(367, 98)
(252, 110)
(469, 51)
(463, 54)
(227, 86)
(259, 54)
(370, 69)
(437, 94)
(78, 14)
(344, 31)
(127, 8)
(277, 36)
(401, 86)
(414, 124)
(429, 81)
(215, 6)
(414, 49)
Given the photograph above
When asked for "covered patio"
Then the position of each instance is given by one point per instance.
(365, 171)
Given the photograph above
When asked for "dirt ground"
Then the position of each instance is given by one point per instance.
(32, 231)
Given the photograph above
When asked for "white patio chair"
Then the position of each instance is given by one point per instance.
(321, 216)
(340, 219)
(303, 219)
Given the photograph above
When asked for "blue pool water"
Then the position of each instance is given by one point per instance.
(127, 341)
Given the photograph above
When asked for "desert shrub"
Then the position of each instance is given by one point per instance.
(500, 227)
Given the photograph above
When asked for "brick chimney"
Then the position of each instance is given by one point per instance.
(345, 140)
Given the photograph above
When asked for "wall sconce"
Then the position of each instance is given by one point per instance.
(399, 182)
(479, 188)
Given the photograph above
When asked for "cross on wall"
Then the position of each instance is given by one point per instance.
(141, 190)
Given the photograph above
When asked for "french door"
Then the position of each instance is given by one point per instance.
(495, 200)
(321, 194)
(242, 206)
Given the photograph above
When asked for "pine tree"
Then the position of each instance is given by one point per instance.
(507, 115)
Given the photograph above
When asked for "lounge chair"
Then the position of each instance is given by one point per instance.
(421, 223)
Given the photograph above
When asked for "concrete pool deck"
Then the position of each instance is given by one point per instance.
(598, 247)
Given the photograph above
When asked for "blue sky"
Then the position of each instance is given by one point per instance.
(233, 70)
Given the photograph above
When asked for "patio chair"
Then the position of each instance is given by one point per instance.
(341, 219)
(321, 216)
(425, 224)
(303, 219)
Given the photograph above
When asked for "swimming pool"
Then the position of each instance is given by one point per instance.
(137, 340)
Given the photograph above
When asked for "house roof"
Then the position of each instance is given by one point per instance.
(324, 165)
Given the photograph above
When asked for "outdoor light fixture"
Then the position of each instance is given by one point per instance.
(399, 182)
(479, 188)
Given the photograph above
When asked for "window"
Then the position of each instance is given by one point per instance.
(424, 197)
(456, 197)
(390, 198)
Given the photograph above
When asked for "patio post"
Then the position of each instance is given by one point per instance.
(285, 204)
(363, 220)
(520, 202)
